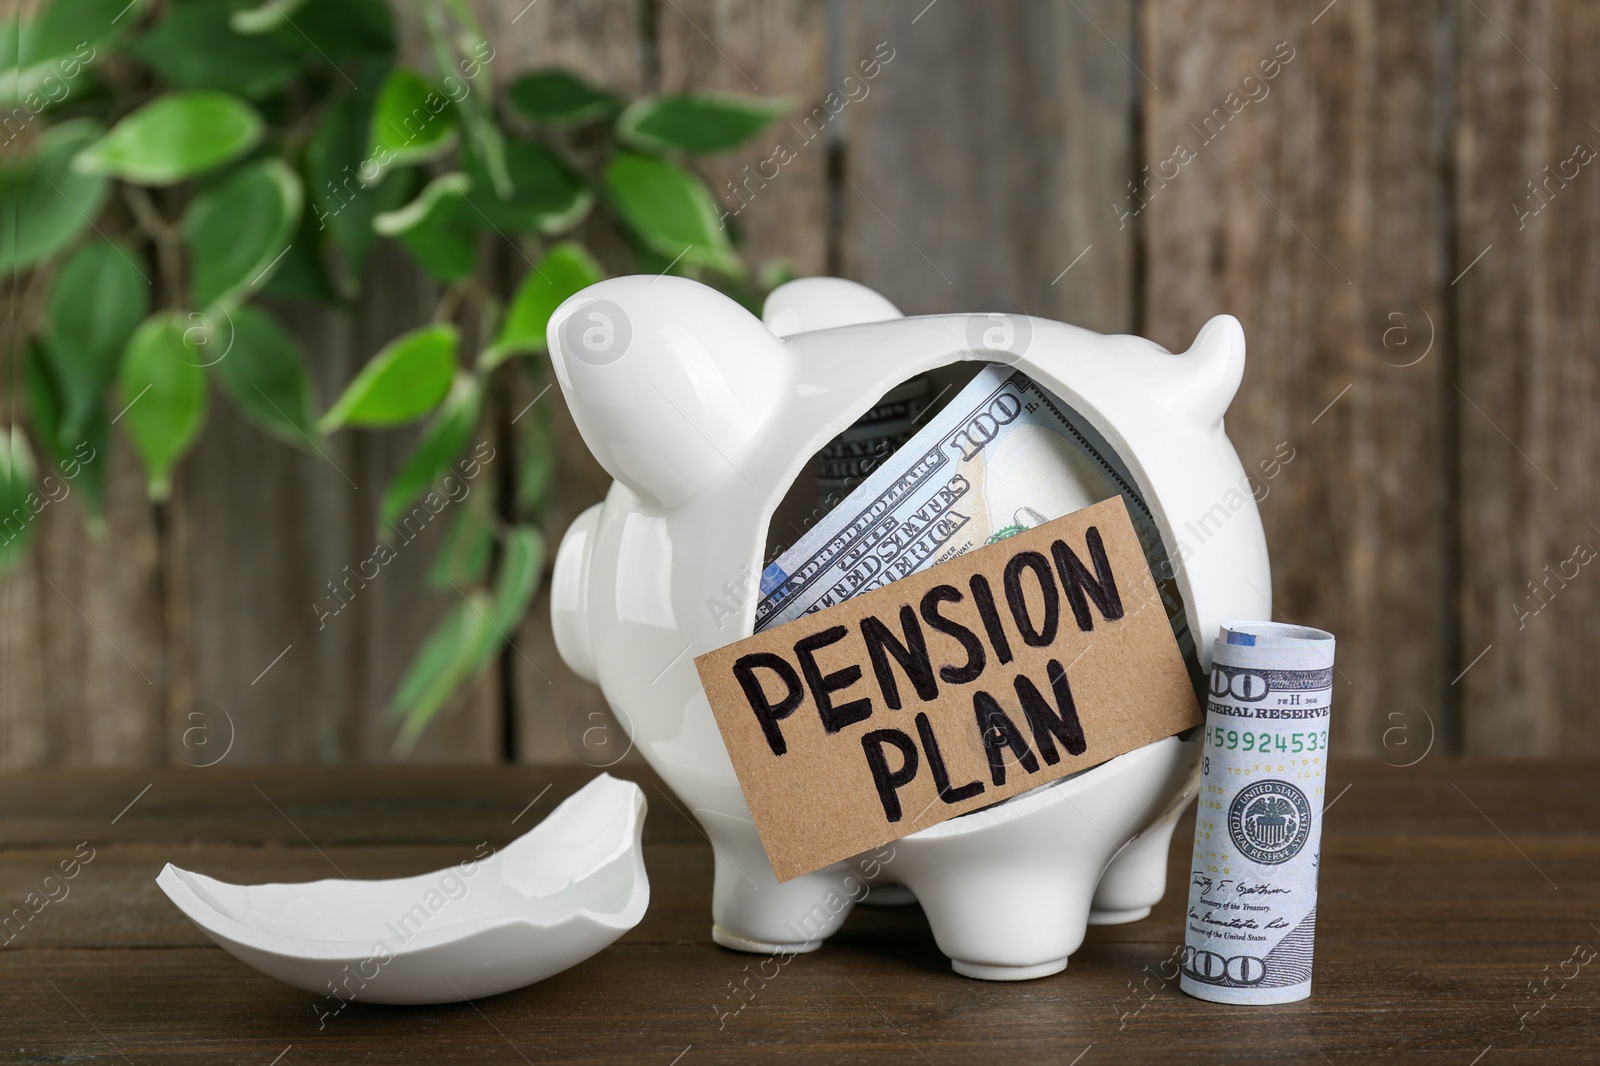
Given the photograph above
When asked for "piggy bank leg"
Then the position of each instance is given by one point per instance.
(1137, 878)
(751, 911)
(1008, 889)
(1008, 921)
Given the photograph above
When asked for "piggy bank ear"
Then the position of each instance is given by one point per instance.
(668, 380)
(822, 303)
(1200, 383)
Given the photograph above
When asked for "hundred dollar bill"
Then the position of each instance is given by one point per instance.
(1258, 830)
(1002, 457)
(853, 454)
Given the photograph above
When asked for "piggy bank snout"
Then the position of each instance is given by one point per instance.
(569, 592)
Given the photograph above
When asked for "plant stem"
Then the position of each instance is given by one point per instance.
(449, 302)
(169, 245)
(486, 140)
(299, 134)
(468, 19)
(33, 297)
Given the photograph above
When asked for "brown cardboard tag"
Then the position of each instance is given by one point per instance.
(977, 679)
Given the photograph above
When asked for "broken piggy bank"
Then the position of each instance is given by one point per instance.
(705, 416)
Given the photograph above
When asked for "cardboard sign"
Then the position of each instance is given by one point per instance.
(977, 679)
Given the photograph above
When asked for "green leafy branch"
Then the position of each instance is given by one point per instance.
(188, 171)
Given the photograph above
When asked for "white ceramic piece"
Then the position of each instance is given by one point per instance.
(705, 417)
(542, 904)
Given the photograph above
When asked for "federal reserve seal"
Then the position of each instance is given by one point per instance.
(1269, 821)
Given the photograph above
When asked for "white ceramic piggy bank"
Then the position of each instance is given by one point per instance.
(705, 416)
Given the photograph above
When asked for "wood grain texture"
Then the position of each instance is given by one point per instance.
(1420, 338)
(986, 156)
(82, 628)
(101, 603)
(22, 704)
(1312, 206)
(1431, 925)
(598, 39)
(1528, 383)
(241, 599)
(779, 208)
(550, 705)
(866, 1003)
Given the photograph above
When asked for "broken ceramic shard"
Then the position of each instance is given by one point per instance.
(500, 920)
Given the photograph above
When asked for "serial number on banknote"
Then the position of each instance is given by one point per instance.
(1247, 740)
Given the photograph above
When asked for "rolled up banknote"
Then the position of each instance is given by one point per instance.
(1003, 456)
(1258, 831)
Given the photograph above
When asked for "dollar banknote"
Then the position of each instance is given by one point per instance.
(844, 461)
(1003, 456)
(1252, 914)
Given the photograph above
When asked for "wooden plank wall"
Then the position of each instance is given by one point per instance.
(1530, 331)
(1318, 215)
(1352, 180)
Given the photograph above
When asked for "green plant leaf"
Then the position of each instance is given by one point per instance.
(564, 270)
(237, 231)
(195, 47)
(463, 556)
(412, 122)
(560, 98)
(484, 140)
(332, 32)
(302, 273)
(264, 373)
(775, 272)
(547, 198)
(437, 227)
(269, 16)
(174, 137)
(536, 462)
(517, 579)
(404, 381)
(96, 301)
(342, 202)
(470, 635)
(64, 25)
(444, 662)
(44, 203)
(441, 442)
(44, 399)
(17, 479)
(670, 210)
(697, 122)
(163, 394)
(487, 145)
(42, 61)
(521, 565)
(80, 460)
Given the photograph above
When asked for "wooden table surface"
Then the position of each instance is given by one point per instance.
(1459, 901)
